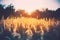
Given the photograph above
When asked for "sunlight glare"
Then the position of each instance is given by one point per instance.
(29, 11)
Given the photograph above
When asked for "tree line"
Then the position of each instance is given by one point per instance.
(10, 11)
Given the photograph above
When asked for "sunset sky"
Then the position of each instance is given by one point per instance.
(30, 5)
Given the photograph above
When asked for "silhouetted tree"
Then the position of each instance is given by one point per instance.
(9, 10)
(1, 10)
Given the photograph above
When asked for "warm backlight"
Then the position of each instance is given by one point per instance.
(28, 24)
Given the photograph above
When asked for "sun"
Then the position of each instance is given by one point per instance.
(29, 11)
